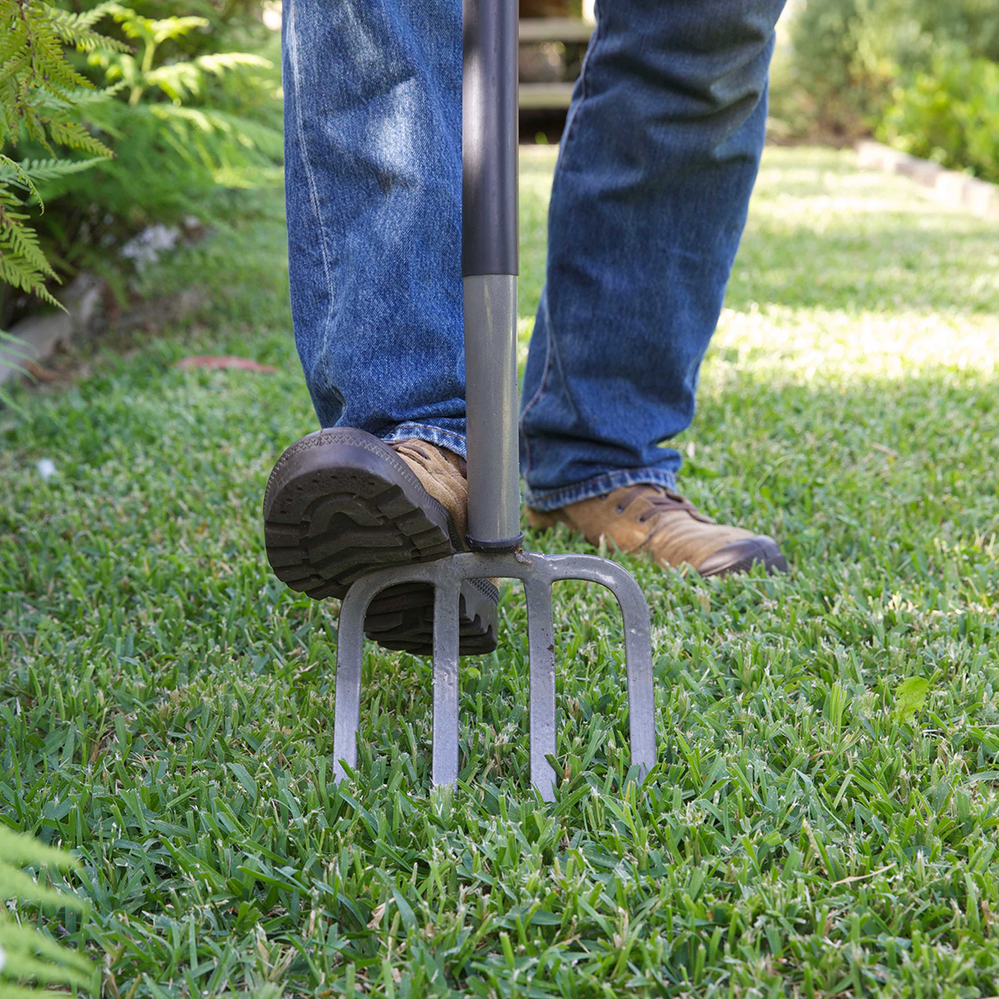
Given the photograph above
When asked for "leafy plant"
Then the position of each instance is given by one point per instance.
(197, 113)
(39, 97)
(949, 114)
(196, 116)
(27, 954)
(189, 113)
(848, 61)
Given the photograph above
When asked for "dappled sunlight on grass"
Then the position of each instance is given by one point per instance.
(836, 345)
(824, 818)
(822, 233)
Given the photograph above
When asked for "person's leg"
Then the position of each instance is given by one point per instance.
(659, 156)
(373, 167)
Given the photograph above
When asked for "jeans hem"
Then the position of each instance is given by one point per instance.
(552, 499)
(432, 435)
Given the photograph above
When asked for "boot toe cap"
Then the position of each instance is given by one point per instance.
(739, 556)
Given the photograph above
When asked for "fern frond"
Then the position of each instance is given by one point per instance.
(150, 29)
(19, 274)
(249, 134)
(219, 63)
(76, 28)
(22, 850)
(27, 173)
(17, 52)
(177, 80)
(122, 70)
(86, 19)
(30, 955)
(34, 69)
(22, 243)
(74, 135)
(49, 67)
(22, 263)
(21, 943)
(72, 32)
(34, 127)
(80, 98)
(15, 173)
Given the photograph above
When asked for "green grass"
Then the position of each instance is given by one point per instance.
(824, 819)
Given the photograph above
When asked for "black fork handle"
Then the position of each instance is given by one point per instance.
(489, 137)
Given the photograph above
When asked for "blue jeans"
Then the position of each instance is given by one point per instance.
(655, 169)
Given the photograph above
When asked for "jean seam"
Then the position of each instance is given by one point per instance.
(570, 125)
(598, 486)
(534, 398)
(307, 164)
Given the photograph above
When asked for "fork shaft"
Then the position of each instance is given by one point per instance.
(491, 412)
(489, 266)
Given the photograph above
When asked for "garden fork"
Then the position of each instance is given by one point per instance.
(489, 267)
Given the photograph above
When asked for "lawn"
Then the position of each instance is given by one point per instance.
(824, 818)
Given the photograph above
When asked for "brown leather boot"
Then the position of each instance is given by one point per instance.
(341, 503)
(442, 474)
(647, 518)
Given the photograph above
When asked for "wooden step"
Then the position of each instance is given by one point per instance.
(545, 96)
(555, 29)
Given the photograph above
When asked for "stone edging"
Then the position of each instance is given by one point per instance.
(38, 336)
(950, 187)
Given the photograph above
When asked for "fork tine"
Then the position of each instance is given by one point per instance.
(638, 663)
(349, 658)
(445, 751)
(637, 645)
(541, 645)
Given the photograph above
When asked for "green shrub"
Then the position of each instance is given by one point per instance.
(194, 116)
(27, 954)
(843, 59)
(187, 123)
(949, 114)
(39, 95)
(915, 72)
(187, 103)
(812, 84)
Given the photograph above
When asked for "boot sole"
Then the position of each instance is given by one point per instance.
(341, 503)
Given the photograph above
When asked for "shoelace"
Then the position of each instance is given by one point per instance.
(660, 499)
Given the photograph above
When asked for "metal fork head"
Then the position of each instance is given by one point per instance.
(538, 573)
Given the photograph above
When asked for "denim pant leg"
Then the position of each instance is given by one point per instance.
(373, 176)
(657, 162)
